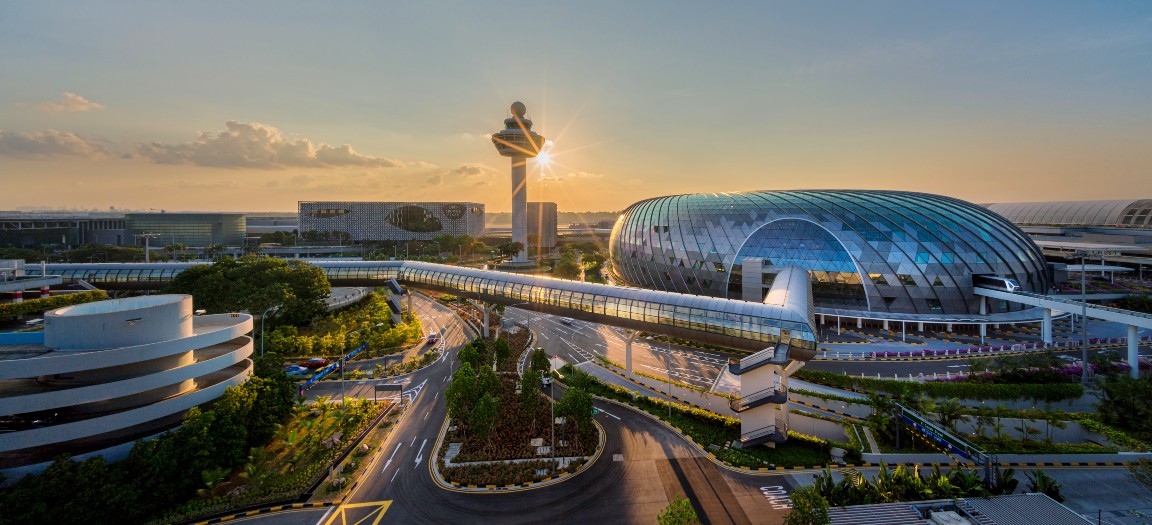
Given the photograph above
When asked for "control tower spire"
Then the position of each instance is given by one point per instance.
(519, 142)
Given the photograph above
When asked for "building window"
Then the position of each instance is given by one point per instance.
(878, 279)
(905, 279)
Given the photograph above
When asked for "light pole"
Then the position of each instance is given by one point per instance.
(552, 407)
(343, 360)
(668, 347)
(1083, 317)
(262, 316)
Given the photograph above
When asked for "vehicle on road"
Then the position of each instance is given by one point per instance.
(315, 362)
(297, 371)
(433, 338)
(567, 320)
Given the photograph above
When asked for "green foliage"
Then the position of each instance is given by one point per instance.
(469, 355)
(254, 284)
(1139, 303)
(1005, 483)
(1038, 481)
(483, 416)
(1037, 392)
(567, 267)
(808, 507)
(35, 306)
(502, 352)
(529, 394)
(576, 406)
(900, 484)
(158, 473)
(328, 335)
(539, 361)
(1127, 403)
(460, 395)
(679, 512)
(101, 253)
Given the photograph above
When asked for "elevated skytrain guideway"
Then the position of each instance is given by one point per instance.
(1054, 304)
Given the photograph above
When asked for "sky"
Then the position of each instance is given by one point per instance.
(254, 106)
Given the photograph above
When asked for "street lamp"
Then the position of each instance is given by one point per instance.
(262, 316)
(1083, 316)
(344, 362)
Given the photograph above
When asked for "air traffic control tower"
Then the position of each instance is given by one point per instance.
(518, 141)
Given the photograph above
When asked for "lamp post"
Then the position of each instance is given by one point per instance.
(668, 347)
(552, 425)
(343, 360)
(262, 316)
(1083, 316)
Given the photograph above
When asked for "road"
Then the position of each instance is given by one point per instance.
(643, 468)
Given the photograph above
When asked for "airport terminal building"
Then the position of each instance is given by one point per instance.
(878, 254)
(392, 221)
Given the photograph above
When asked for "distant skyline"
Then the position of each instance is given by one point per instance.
(254, 106)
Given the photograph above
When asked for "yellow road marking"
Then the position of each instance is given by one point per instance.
(381, 508)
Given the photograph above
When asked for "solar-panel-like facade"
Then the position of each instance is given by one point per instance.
(879, 251)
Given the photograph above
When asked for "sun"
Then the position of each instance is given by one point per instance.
(543, 159)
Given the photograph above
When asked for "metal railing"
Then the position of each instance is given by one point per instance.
(758, 398)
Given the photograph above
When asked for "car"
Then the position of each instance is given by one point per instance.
(433, 338)
(297, 371)
(315, 362)
(567, 320)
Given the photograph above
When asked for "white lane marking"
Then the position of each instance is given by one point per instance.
(386, 463)
(602, 411)
(324, 518)
(413, 443)
(419, 456)
(426, 415)
(391, 480)
(778, 496)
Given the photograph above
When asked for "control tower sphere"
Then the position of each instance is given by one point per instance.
(517, 138)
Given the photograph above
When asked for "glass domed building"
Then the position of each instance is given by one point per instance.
(871, 251)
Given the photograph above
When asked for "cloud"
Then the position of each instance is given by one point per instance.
(434, 180)
(469, 169)
(259, 146)
(49, 143)
(585, 175)
(72, 102)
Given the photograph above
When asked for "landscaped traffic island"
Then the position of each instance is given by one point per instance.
(501, 429)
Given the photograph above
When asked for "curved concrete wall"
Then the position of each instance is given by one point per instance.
(94, 427)
(106, 391)
(210, 330)
(118, 323)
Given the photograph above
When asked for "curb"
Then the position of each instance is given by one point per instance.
(452, 486)
(266, 510)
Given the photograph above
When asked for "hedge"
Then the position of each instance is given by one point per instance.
(1041, 392)
(35, 306)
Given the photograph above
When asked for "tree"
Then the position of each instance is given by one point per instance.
(1006, 482)
(254, 284)
(567, 267)
(483, 418)
(576, 405)
(679, 512)
(503, 352)
(540, 363)
(487, 382)
(469, 355)
(949, 412)
(529, 396)
(214, 251)
(1127, 403)
(1041, 482)
(808, 507)
(460, 395)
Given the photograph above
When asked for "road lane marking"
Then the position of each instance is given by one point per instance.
(419, 456)
(413, 443)
(777, 495)
(386, 463)
(394, 476)
(602, 411)
(426, 415)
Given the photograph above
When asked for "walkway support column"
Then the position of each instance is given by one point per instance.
(1133, 346)
(1046, 326)
(487, 325)
(983, 326)
(628, 352)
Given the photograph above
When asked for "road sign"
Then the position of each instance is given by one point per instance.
(387, 387)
